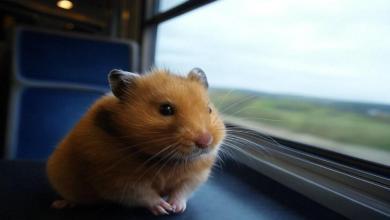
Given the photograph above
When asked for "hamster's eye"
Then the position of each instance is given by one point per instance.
(167, 109)
(210, 110)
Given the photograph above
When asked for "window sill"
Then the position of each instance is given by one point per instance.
(349, 191)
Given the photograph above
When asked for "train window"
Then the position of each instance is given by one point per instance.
(310, 71)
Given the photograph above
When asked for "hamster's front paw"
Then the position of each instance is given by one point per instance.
(161, 208)
(179, 205)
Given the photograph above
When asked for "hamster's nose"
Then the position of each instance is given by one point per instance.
(203, 140)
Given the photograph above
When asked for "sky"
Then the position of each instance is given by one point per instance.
(322, 48)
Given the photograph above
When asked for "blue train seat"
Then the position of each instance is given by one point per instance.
(56, 77)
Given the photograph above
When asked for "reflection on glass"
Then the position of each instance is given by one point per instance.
(311, 71)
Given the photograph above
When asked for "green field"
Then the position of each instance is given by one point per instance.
(344, 122)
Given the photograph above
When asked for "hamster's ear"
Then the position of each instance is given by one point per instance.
(120, 80)
(199, 75)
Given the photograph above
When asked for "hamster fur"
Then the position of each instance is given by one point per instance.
(151, 143)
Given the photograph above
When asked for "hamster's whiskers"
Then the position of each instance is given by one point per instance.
(129, 154)
(223, 152)
(253, 134)
(226, 108)
(233, 141)
(166, 162)
(156, 155)
(165, 158)
(223, 99)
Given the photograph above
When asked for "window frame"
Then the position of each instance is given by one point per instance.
(152, 18)
(353, 187)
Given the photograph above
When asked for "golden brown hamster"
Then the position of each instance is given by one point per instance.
(150, 143)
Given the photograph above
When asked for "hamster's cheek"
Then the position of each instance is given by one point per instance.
(218, 131)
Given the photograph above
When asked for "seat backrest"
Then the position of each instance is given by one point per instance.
(57, 76)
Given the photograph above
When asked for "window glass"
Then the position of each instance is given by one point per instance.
(165, 5)
(316, 72)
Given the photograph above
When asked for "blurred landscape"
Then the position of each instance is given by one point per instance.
(347, 123)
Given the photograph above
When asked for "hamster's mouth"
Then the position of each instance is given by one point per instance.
(196, 153)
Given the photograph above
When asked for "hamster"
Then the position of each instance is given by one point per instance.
(149, 143)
